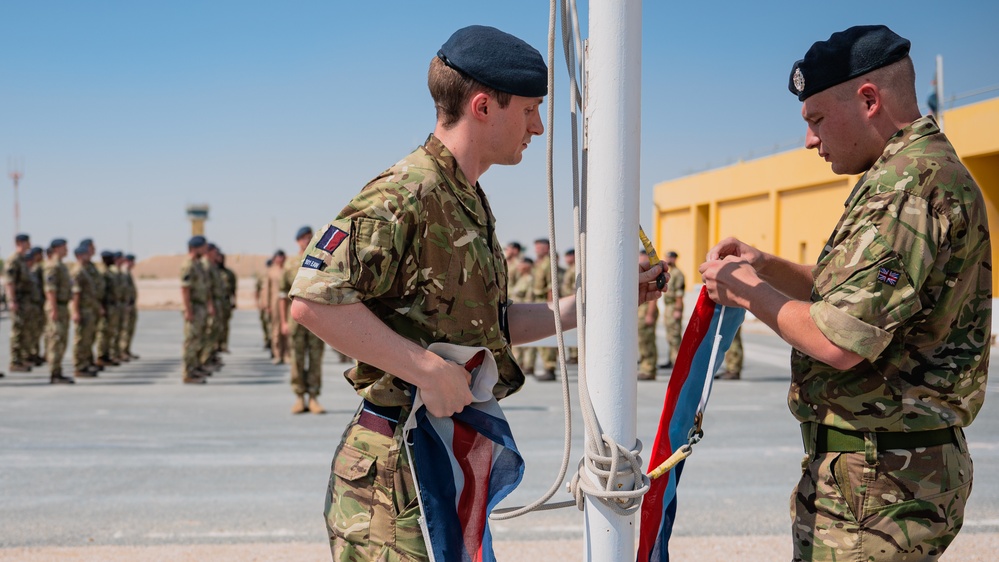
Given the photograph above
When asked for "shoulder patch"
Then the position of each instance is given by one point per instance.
(331, 239)
(312, 262)
(886, 275)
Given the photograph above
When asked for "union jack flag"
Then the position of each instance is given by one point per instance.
(886, 275)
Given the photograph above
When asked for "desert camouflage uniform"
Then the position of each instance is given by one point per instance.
(906, 283)
(279, 341)
(567, 288)
(16, 270)
(213, 323)
(57, 280)
(648, 355)
(526, 355)
(306, 347)
(110, 324)
(35, 311)
(193, 276)
(100, 287)
(675, 289)
(418, 247)
(230, 283)
(541, 291)
(735, 355)
(129, 314)
(85, 329)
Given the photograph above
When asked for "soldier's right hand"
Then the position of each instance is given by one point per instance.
(449, 390)
(188, 315)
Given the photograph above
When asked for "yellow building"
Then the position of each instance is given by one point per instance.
(787, 204)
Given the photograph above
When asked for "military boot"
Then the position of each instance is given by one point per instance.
(299, 406)
(59, 379)
(20, 368)
(315, 407)
(84, 374)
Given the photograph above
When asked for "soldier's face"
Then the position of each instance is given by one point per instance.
(513, 126)
(837, 130)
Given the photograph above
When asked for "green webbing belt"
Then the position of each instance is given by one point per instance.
(830, 439)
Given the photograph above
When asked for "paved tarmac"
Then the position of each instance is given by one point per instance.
(135, 465)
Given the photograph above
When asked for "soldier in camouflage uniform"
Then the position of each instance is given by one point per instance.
(512, 254)
(131, 314)
(261, 300)
(108, 326)
(541, 292)
(648, 315)
(213, 327)
(58, 292)
(18, 290)
(733, 360)
(891, 329)
(414, 259)
(35, 307)
(520, 292)
(84, 310)
(673, 307)
(99, 288)
(230, 282)
(306, 347)
(568, 287)
(279, 327)
(197, 306)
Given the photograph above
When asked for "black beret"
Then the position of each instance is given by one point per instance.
(570, 252)
(305, 230)
(118, 254)
(845, 55)
(543, 241)
(57, 242)
(22, 238)
(269, 262)
(130, 257)
(195, 242)
(107, 254)
(672, 254)
(87, 242)
(34, 252)
(279, 253)
(497, 60)
(81, 250)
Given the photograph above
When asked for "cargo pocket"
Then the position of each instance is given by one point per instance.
(351, 495)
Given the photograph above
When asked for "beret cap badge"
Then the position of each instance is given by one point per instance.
(799, 80)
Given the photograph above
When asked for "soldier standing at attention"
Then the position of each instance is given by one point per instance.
(230, 282)
(512, 253)
(306, 347)
(18, 292)
(216, 293)
(568, 287)
(673, 308)
(83, 310)
(260, 296)
(99, 288)
(414, 259)
(58, 292)
(526, 355)
(541, 292)
(131, 315)
(197, 307)
(648, 316)
(279, 329)
(108, 325)
(890, 330)
(35, 309)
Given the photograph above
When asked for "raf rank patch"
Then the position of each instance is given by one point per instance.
(331, 239)
(886, 275)
(312, 262)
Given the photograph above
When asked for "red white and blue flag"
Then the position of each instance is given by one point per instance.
(464, 465)
(702, 349)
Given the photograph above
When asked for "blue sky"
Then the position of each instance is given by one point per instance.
(276, 113)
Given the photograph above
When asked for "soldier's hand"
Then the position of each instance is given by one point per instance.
(728, 280)
(284, 328)
(735, 247)
(450, 390)
(188, 315)
(76, 318)
(647, 290)
(54, 315)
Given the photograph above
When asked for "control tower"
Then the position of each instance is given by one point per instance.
(197, 214)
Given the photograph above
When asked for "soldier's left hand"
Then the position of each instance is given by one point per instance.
(727, 280)
(647, 290)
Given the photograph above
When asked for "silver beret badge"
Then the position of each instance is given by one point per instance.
(799, 80)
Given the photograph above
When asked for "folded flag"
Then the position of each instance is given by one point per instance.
(702, 349)
(463, 465)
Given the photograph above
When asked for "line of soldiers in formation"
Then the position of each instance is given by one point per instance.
(44, 295)
(529, 280)
(208, 294)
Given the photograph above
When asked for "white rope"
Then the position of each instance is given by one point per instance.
(612, 464)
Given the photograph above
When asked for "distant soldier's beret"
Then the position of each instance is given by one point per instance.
(570, 252)
(279, 253)
(34, 252)
(130, 257)
(107, 254)
(57, 243)
(304, 231)
(672, 254)
(196, 242)
(845, 55)
(86, 242)
(22, 238)
(496, 59)
(542, 241)
(81, 249)
(269, 262)
(212, 246)
(118, 254)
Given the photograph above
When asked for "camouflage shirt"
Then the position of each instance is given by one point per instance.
(675, 287)
(18, 274)
(83, 284)
(418, 247)
(193, 277)
(541, 275)
(58, 281)
(906, 283)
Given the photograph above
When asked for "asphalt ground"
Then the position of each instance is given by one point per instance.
(136, 465)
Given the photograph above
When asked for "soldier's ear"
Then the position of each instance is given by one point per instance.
(478, 106)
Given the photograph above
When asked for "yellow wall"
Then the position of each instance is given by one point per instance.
(789, 203)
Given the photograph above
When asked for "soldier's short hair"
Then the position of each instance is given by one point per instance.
(451, 89)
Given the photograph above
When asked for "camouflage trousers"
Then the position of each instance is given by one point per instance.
(279, 341)
(306, 360)
(674, 332)
(18, 339)
(34, 328)
(901, 504)
(209, 336)
(549, 357)
(56, 337)
(223, 342)
(84, 333)
(371, 508)
(107, 332)
(194, 335)
(734, 355)
(648, 353)
(526, 357)
(128, 319)
(265, 324)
